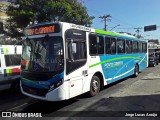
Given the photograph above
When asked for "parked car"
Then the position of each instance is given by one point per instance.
(153, 59)
(158, 55)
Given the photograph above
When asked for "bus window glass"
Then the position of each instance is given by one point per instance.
(120, 46)
(78, 50)
(139, 47)
(100, 43)
(43, 54)
(128, 46)
(108, 45)
(12, 60)
(135, 47)
(113, 45)
(144, 47)
(92, 44)
(82, 50)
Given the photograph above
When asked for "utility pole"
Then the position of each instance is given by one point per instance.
(105, 19)
(138, 31)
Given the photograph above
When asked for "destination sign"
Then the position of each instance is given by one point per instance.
(42, 29)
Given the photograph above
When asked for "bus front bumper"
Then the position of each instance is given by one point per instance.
(57, 94)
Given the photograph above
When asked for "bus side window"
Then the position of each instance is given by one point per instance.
(100, 44)
(128, 46)
(120, 46)
(92, 44)
(113, 45)
(140, 47)
(144, 47)
(135, 46)
(108, 45)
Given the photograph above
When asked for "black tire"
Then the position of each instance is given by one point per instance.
(136, 71)
(94, 86)
(157, 63)
(154, 64)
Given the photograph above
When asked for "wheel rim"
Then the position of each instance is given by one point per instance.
(95, 85)
(154, 64)
(136, 70)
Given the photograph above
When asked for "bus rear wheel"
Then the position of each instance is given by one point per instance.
(136, 71)
(94, 86)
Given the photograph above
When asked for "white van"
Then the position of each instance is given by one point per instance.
(10, 59)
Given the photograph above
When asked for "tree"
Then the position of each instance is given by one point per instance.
(22, 12)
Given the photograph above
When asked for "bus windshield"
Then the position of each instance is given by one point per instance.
(43, 54)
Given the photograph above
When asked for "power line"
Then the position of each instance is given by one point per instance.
(123, 22)
(105, 19)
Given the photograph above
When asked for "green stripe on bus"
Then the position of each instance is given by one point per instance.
(108, 33)
(113, 59)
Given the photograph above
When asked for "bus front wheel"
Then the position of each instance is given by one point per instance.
(94, 86)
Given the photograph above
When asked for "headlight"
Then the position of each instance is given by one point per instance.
(55, 85)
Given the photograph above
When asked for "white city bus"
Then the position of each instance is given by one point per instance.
(62, 60)
(10, 60)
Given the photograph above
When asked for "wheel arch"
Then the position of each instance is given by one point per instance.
(101, 78)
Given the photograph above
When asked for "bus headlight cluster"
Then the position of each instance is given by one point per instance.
(55, 85)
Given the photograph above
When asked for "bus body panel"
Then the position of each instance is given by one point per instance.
(113, 67)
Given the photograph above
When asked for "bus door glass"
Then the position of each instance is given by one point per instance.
(76, 69)
(0, 67)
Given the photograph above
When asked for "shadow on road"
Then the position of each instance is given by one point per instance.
(10, 95)
(105, 107)
(46, 107)
(119, 106)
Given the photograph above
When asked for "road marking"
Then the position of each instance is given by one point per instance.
(17, 107)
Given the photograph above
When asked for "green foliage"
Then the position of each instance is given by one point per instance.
(22, 12)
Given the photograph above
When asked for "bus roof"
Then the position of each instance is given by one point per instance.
(115, 34)
(109, 33)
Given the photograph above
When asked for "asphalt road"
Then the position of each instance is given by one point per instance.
(130, 95)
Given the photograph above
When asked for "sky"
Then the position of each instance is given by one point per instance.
(128, 13)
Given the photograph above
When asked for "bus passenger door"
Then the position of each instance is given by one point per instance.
(76, 67)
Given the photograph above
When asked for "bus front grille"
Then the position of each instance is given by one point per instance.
(34, 91)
